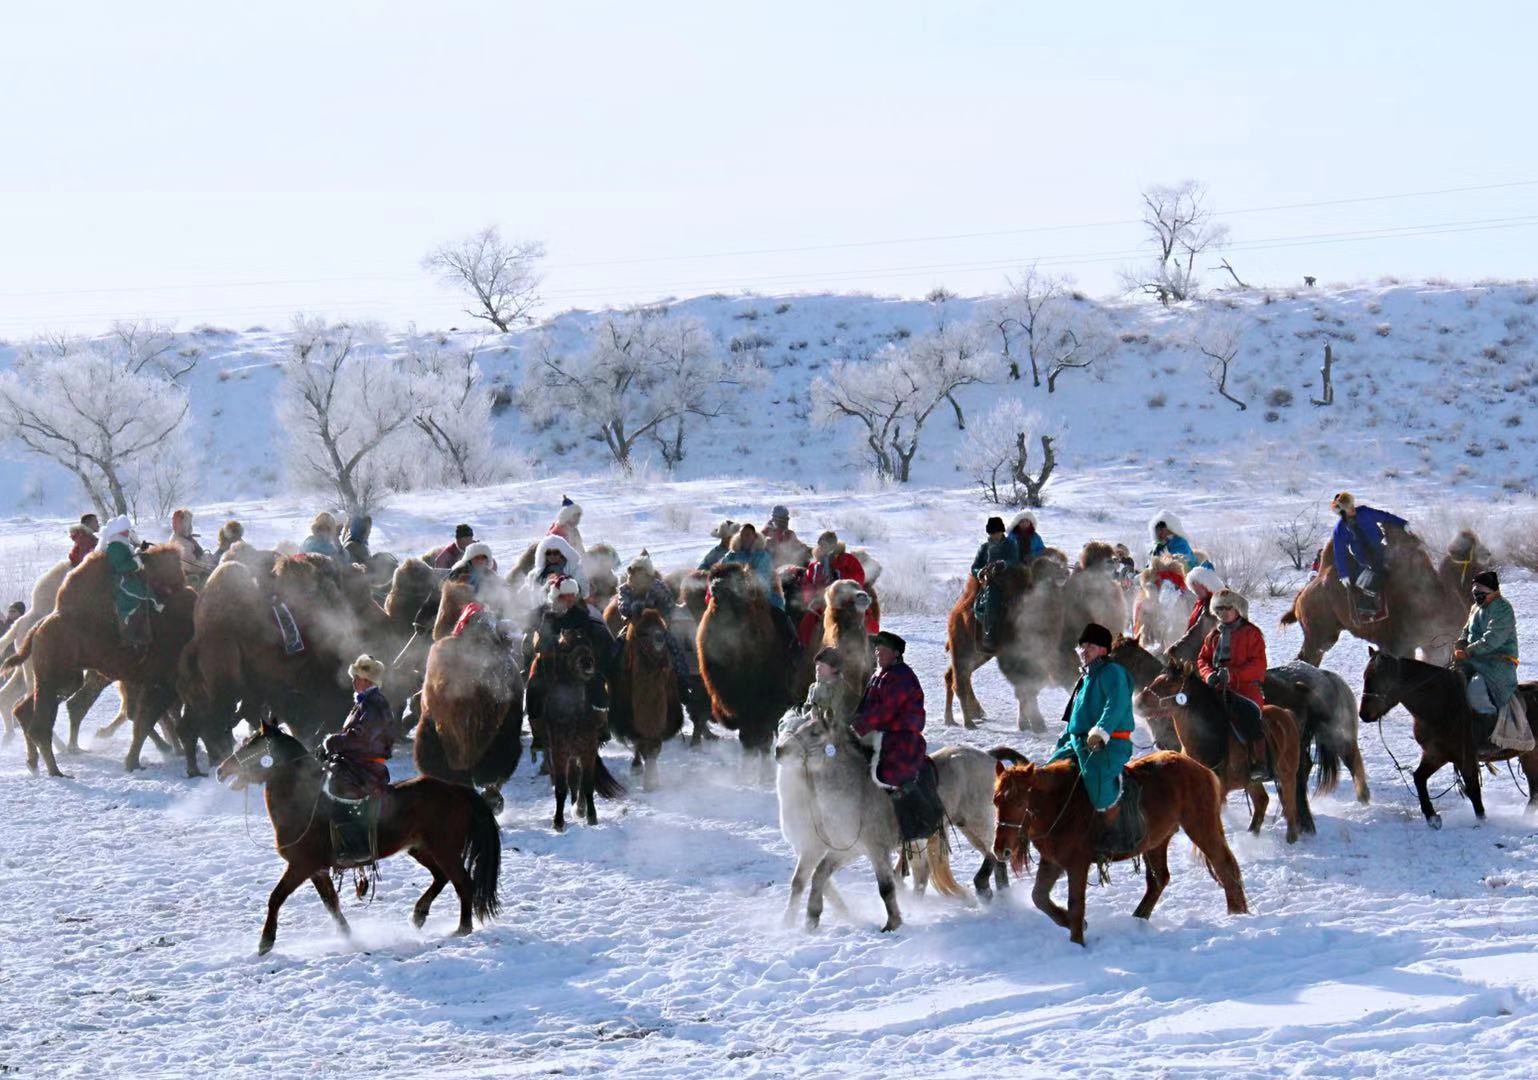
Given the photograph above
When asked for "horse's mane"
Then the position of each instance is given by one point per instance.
(1207, 710)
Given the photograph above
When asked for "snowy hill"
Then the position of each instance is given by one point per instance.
(1431, 382)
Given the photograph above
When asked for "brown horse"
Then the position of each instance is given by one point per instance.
(1201, 724)
(646, 710)
(82, 633)
(1046, 806)
(471, 727)
(447, 828)
(1444, 725)
(558, 678)
(748, 671)
(1025, 645)
(1426, 605)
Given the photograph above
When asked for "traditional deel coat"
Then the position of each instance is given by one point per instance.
(85, 543)
(833, 701)
(758, 561)
(1490, 639)
(1102, 698)
(1359, 539)
(129, 589)
(894, 706)
(357, 754)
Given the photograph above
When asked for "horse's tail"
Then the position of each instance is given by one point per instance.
(1008, 756)
(603, 780)
(938, 851)
(23, 651)
(482, 858)
(1326, 756)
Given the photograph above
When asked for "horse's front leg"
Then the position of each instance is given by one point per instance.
(1471, 786)
(589, 776)
(292, 878)
(820, 876)
(1047, 874)
(558, 778)
(1428, 766)
(322, 881)
(1078, 889)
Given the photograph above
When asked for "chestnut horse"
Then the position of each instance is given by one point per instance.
(1444, 725)
(447, 828)
(1046, 806)
(1202, 726)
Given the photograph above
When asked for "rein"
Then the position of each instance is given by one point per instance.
(246, 807)
(817, 823)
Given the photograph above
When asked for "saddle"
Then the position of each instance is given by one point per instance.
(1126, 834)
(354, 822)
(1367, 607)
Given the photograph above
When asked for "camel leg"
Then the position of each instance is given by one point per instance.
(649, 773)
(23, 714)
(805, 864)
(425, 901)
(322, 882)
(80, 703)
(1428, 766)
(886, 884)
(1260, 801)
(146, 706)
(1358, 770)
(820, 876)
(1030, 718)
(292, 878)
(45, 711)
(635, 760)
(1047, 874)
(1156, 872)
(1078, 889)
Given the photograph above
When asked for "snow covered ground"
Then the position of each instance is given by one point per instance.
(651, 945)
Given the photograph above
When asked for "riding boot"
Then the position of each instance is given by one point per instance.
(1105, 830)
(1260, 764)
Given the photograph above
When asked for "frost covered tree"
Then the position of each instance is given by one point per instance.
(98, 412)
(452, 420)
(892, 394)
(1039, 321)
(643, 374)
(343, 403)
(500, 276)
(1181, 229)
(999, 454)
(1219, 336)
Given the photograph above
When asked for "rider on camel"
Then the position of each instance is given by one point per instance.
(1233, 662)
(322, 539)
(355, 538)
(780, 538)
(1022, 533)
(83, 536)
(1169, 539)
(566, 525)
(131, 595)
(445, 557)
(554, 557)
(831, 562)
(231, 533)
(1360, 545)
(723, 534)
(1098, 734)
(747, 549)
(998, 550)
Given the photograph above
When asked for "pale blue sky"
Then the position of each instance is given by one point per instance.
(235, 163)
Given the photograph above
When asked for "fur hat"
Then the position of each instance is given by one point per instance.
(746, 539)
(890, 640)
(119, 528)
(1343, 501)
(994, 525)
(827, 536)
(1168, 520)
(231, 531)
(1229, 598)
(1206, 577)
(474, 551)
(780, 513)
(562, 585)
(461, 531)
(323, 522)
(179, 516)
(1021, 518)
(77, 531)
(641, 564)
(1489, 579)
(1095, 634)
(830, 656)
(726, 530)
(569, 513)
(366, 667)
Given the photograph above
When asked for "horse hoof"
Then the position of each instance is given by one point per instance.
(1435, 821)
(949, 722)
(264, 946)
(560, 826)
(891, 924)
(985, 896)
(972, 725)
(195, 774)
(461, 931)
(418, 919)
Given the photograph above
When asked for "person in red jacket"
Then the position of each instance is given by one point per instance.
(894, 707)
(1233, 662)
(84, 537)
(831, 562)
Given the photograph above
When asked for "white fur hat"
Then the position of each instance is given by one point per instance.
(1024, 515)
(562, 585)
(1227, 597)
(570, 513)
(642, 564)
(119, 528)
(366, 667)
(725, 531)
(1207, 578)
(1171, 522)
(473, 552)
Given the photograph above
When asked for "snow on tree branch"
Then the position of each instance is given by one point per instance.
(501, 277)
(1181, 229)
(1001, 450)
(1219, 336)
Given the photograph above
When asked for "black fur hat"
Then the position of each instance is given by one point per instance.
(830, 656)
(1095, 634)
(1488, 579)
(995, 525)
(890, 640)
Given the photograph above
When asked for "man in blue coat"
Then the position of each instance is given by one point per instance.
(1100, 723)
(1360, 546)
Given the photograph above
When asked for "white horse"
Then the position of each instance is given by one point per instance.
(832, 811)
(45, 592)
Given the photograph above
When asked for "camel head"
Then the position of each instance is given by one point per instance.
(163, 569)
(846, 596)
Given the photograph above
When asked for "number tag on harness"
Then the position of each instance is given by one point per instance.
(830, 750)
(1180, 698)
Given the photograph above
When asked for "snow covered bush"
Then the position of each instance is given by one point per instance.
(452, 417)
(1000, 454)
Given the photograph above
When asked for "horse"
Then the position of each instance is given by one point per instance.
(1443, 724)
(447, 828)
(646, 709)
(1319, 700)
(558, 678)
(471, 727)
(747, 669)
(1426, 605)
(82, 634)
(966, 790)
(832, 811)
(1046, 806)
(1201, 725)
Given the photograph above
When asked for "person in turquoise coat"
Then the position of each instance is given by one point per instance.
(1099, 718)
(1487, 648)
(130, 592)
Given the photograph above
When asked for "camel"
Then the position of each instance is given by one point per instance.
(749, 673)
(1427, 605)
(843, 628)
(646, 709)
(82, 633)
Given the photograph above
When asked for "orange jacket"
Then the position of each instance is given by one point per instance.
(1246, 661)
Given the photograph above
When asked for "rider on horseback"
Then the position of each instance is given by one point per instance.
(1487, 649)
(1360, 545)
(643, 589)
(1099, 731)
(355, 764)
(1233, 661)
(998, 551)
(565, 609)
(831, 698)
(891, 717)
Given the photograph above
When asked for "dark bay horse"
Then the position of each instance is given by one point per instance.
(1443, 725)
(1046, 806)
(558, 679)
(447, 828)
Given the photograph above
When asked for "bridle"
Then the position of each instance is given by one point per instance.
(811, 784)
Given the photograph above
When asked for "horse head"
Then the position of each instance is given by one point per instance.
(1142, 665)
(1381, 685)
(254, 760)
(817, 741)
(1014, 790)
